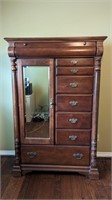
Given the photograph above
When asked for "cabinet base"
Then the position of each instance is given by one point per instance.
(94, 173)
(16, 171)
(91, 173)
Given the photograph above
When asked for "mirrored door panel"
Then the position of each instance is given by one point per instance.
(36, 81)
(36, 103)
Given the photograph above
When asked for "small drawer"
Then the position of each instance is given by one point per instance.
(55, 155)
(72, 120)
(74, 84)
(72, 137)
(74, 61)
(73, 103)
(74, 70)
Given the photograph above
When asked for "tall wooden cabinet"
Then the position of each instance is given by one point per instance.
(56, 84)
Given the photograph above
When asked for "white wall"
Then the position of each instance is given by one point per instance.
(46, 18)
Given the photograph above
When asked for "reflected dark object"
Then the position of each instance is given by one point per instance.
(28, 89)
(40, 117)
(37, 119)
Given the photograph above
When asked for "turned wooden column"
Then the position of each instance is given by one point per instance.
(97, 66)
(16, 117)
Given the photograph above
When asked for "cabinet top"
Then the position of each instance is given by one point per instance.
(56, 39)
(55, 47)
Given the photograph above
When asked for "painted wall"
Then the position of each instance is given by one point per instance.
(39, 77)
(46, 18)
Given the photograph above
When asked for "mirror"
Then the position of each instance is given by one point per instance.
(36, 101)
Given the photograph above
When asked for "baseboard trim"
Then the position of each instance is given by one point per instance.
(12, 153)
(104, 154)
(7, 153)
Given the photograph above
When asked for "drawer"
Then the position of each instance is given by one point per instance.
(74, 61)
(73, 103)
(74, 70)
(73, 137)
(72, 120)
(74, 84)
(57, 155)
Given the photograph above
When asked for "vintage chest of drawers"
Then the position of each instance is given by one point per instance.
(65, 76)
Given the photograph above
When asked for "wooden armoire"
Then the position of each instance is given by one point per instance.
(56, 84)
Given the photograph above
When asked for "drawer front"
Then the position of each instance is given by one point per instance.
(74, 70)
(55, 155)
(73, 137)
(73, 103)
(74, 84)
(73, 120)
(54, 44)
(74, 61)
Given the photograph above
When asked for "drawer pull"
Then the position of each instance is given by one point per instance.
(72, 137)
(73, 85)
(74, 71)
(78, 156)
(51, 103)
(73, 103)
(74, 62)
(73, 120)
(31, 154)
(24, 44)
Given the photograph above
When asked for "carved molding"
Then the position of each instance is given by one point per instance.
(93, 153)
(13, 64)
(17, 151)
(99, 48)
(97, 68)
(97, 63)
(11, 49)
(15, 106)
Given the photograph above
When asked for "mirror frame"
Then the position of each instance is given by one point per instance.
(35, 62)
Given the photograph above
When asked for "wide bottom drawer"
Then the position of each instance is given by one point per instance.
(58, 155)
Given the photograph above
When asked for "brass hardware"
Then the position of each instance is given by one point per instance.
(73, 85)
(73, 120)
(73, 137)
(32, 154)
(24, 44)
(73, 103)
(74, 71)
(78, 156)
(74, 62)
(51, 103)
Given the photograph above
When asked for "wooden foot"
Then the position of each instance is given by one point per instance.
(94, 174)
(16, 171)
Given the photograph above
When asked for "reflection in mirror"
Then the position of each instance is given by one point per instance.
(36, 96)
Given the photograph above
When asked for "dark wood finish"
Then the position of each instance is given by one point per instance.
(74, 70)
(55, 185)
(73, 137)
(95, 113)
(24, 138)
(90, 40)
(84, 84)
(16, 167)
(74, 90)
(74, 61)
(68, 102)
(58, 155)
(63, 120)
(53, 47)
